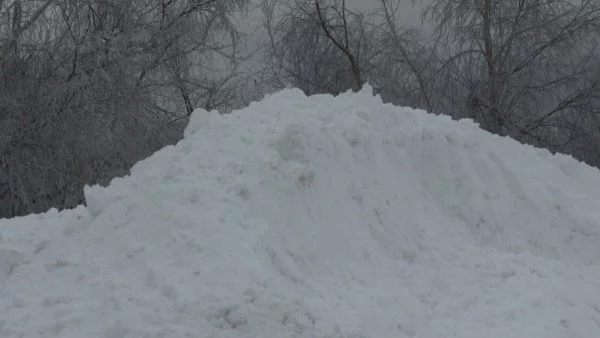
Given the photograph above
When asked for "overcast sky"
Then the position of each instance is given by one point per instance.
(409, 13)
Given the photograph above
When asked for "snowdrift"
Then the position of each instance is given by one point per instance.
(337, 217)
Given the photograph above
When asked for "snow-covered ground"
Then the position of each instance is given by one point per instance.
(317, 217)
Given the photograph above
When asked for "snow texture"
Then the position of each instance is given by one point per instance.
(332, 217)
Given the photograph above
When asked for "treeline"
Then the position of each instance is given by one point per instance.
(89, 87)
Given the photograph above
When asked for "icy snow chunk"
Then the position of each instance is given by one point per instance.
(97, 199)
(290, 145)
(198, 119)
(9, 260)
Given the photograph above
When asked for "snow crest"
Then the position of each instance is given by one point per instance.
(337, 217)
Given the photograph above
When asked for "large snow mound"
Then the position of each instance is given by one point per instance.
(337, 217)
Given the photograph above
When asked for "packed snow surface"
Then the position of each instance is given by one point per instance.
(332, 217)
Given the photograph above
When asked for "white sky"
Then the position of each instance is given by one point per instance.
(410, 12)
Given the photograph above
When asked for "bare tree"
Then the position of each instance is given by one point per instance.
(326, 47)
(523, 68)
(318, 46)
(405, 69)
(333, 19)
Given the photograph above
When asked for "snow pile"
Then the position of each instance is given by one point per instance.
(317, 217)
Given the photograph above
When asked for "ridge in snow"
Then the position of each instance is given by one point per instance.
(338, 217)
